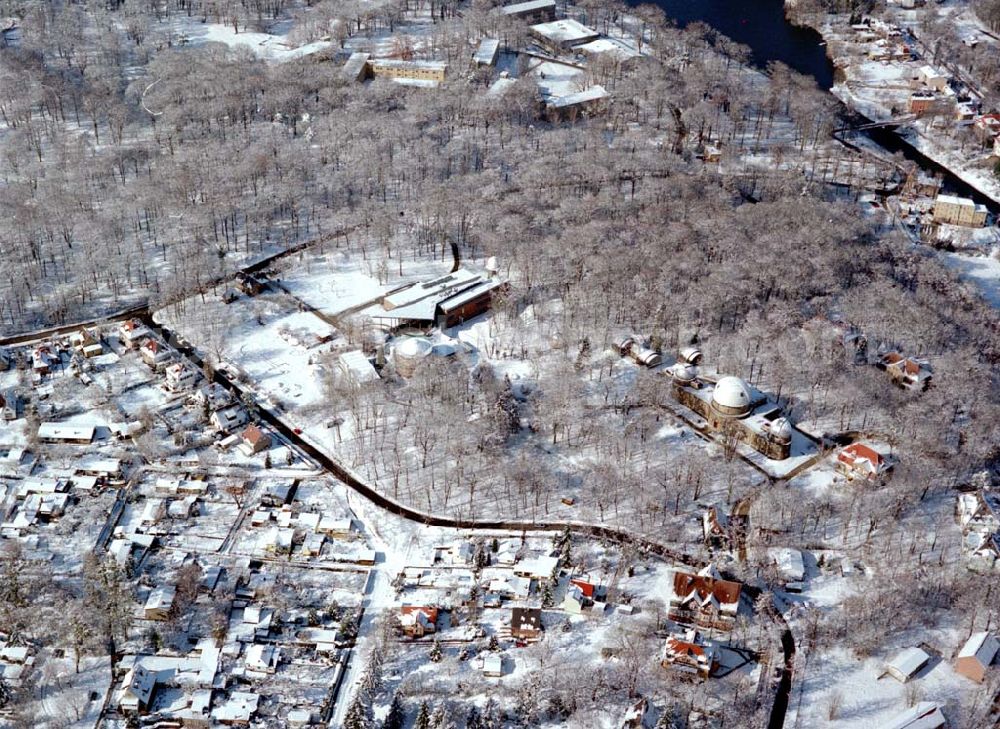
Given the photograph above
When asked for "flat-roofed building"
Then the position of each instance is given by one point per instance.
(535, 11)
(487, 53)
(408, 70)
(561, 35)
(955, 210)
(356, 69)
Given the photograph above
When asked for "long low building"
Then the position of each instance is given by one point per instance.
(561, 35)
(411, 70)
(533, 10)
(66, 433)
(444, 301)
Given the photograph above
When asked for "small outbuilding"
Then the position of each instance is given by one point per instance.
(977, 655)
(907, 663)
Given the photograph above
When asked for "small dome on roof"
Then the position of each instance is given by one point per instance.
(691, 355)
(732, 394)
(413, 347)
(683, 372)
(782, 429)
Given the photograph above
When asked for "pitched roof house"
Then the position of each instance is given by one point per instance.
(255, 440)
(687, 652)
(526, 623)
(864, 462)
(417, 621)
(704, 599)
(923, 715)
(908, 372)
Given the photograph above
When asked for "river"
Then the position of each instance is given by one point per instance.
(761, 25)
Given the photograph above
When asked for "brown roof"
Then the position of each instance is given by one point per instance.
(526, 618)
(724, 591)
(254, 435)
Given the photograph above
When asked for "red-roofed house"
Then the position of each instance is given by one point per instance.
(704, 599)
(687, 652)
(255, 440)
(908, 372)
(155, 354)
(861, 461)
(417, 621)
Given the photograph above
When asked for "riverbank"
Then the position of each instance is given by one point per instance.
(874, 79)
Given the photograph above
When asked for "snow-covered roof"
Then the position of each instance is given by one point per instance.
(531, 6)
(611, 46)
(487, 51)
(238, 707)
(732, 392)
(981, 646)
(63, 431)
(356, 365)
(908, 661)
(924, 715)
(566, 30)
(400, 65)
(594, 93)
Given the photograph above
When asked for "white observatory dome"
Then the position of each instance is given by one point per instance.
(731, 396)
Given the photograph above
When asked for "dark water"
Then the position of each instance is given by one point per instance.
(761, 25)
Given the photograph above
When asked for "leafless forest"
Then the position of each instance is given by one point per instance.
(137, 168)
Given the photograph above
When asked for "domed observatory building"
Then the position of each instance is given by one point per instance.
(731, 405)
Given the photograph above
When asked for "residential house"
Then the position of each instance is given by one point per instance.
(335, 528)
(160, 603)
(526, 624)
(907, 372)
(237, 709)
(977, 655)
(254, 440)
(538, 568)
(180, 376)
(65, 433)
(715, 527)
(262, 658)
(704, 599)
(859, 461)
(575, 601)
(907, 663)
(248, 284)
(571, 105)
(932, 78)
(137, 696)
(9, 404)
(43, 359)
(212, 396)
(155, 353)
(132, 333)
(953, 210)
(416, 621)
(228, 419)
(86, 343)
(689, 653)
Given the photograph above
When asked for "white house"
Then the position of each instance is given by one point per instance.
(228, 419)
(160, 602)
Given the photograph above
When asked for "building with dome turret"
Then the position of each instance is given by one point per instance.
(730, 405)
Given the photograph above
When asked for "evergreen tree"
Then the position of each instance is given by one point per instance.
(436, 655)
(423, 720)
(472, 719)
(439, 718)
(396, 717)
(494, 644)
(358, 713)
(547, 599)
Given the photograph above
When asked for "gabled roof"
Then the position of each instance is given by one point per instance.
(706, 588)
(981, 646)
